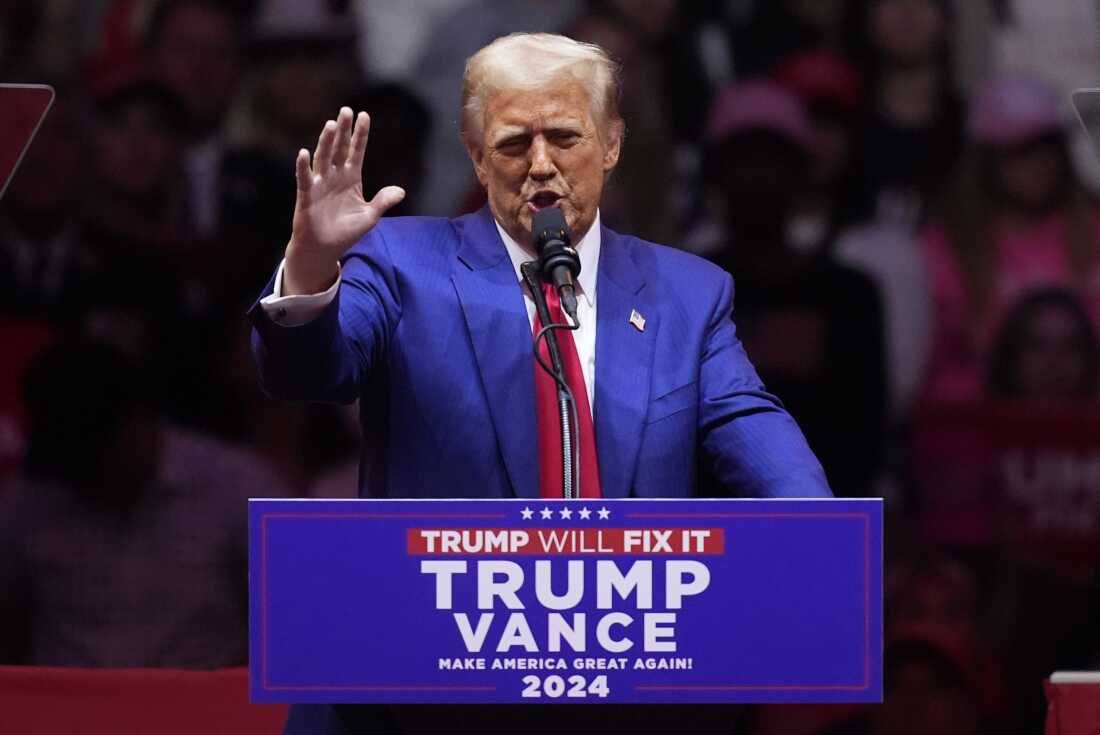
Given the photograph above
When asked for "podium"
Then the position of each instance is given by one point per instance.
(23, 107)
(565, 601)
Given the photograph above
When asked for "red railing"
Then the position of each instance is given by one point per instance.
(45, 701)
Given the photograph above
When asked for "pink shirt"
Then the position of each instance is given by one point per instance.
(1025, 261)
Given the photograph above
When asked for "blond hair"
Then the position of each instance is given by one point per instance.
(528, 61)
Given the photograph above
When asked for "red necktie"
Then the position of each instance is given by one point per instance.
(549, 420)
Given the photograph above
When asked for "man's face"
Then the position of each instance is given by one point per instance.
(540, 149)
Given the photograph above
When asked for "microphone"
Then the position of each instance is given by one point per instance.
(558, 261)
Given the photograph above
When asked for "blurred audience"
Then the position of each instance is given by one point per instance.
(913, 129)
(23, 339)
(401, 126)
(831, 92)
(940, 599)
(43, 260)
(926, 690)
(779, 29)
(302, 70)
(392, 34)
(1047, 350)
(829, 217)
(19, 21)
(43, 40)
(1080, 648)
(123, 541)
(1016, 220)
(132, 206)
(197, 48)
(812, 327)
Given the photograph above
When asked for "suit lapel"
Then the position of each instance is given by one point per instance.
(496, 317)
(624, 359)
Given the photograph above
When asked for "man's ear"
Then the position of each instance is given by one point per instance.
(615, 144)
(477, 156)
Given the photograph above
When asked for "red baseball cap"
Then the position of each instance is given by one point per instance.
(822, 77)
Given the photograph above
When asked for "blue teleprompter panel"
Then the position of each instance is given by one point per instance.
(604, 601)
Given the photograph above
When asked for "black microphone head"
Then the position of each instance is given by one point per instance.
(549, 225)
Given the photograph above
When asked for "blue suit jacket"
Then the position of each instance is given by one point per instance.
(430, 330)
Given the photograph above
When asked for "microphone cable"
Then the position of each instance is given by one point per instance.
(567, 403)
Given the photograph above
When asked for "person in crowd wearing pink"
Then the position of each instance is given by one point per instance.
(1016, 220)
(1047, 350)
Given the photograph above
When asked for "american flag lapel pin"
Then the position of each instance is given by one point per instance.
(637, 320)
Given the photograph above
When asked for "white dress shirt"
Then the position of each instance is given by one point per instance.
(293, 311)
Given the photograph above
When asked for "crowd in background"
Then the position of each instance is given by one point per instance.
(897, 186)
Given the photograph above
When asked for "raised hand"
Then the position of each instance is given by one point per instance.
(330, 213)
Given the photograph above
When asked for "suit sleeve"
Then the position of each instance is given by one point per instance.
(752, 445)
(327, 359)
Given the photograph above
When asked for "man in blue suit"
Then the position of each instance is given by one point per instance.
(426, 322)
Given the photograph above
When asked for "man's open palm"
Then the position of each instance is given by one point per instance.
(330, 213)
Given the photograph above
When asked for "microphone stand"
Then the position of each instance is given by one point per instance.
(567, 407)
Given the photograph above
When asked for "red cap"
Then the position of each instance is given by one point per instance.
(822, 77)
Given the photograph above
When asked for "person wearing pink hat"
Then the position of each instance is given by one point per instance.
(811, 325)
(759, 140)
(1016, 220)
(1014, 109)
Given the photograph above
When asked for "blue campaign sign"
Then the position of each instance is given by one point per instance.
(495, 601)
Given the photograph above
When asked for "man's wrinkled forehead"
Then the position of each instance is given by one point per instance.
(524, 112)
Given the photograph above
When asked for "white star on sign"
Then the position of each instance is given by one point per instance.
(584, 513)
(546, 513)
(527, 513)
(566, 513)
(603, 513)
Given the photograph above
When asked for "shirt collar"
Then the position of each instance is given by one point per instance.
(588, 250)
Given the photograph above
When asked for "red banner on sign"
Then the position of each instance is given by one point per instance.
(564, 541)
